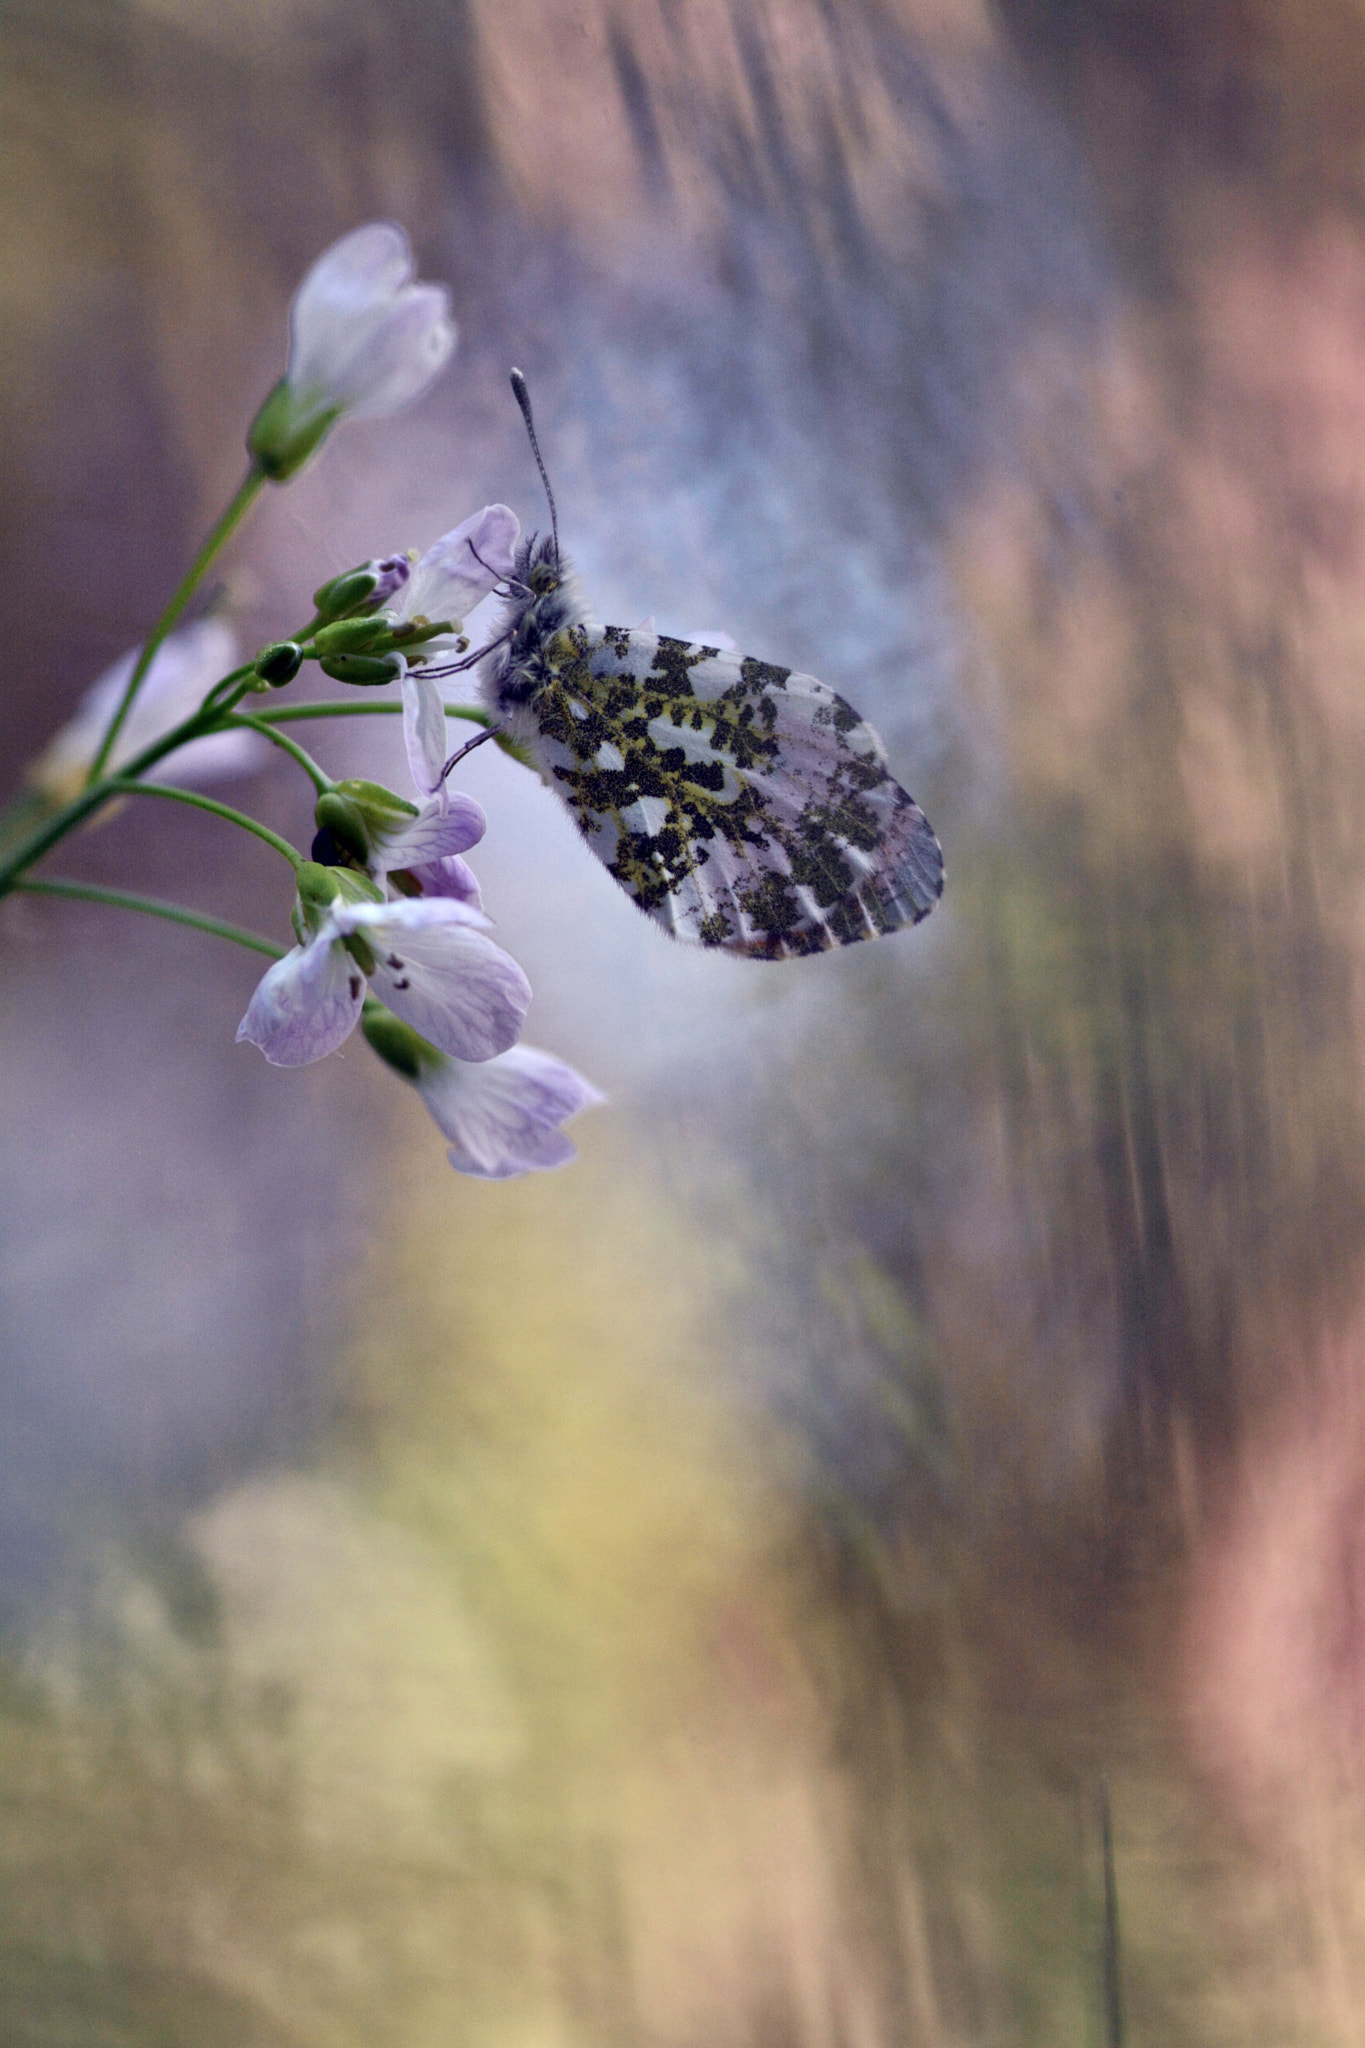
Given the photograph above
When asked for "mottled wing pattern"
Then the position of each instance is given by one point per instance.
(740, 804)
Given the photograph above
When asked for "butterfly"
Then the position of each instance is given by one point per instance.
(740, 804)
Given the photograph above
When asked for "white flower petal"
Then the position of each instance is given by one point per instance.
(307, 1004)
(503, 1116)
(462, 566)
(424, 730)
(438, 972)
(362, 335)
(183, 670)
(440, 829)
(396, 360)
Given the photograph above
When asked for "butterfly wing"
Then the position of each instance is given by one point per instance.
(740, 804)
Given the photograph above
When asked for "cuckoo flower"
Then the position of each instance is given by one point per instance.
(422, 854)
(184, 669)
(504, 1116)
(446, 582)
(363, 825)
(364, 339)
(428, 960)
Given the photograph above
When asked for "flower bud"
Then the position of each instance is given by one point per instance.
(397, 1044)
(279, 663)
(317, 890)
(378, 807)
(335, 814)
(362, 589)
(366, 671)
(353, 636)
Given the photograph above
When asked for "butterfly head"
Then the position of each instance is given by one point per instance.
(543, 601)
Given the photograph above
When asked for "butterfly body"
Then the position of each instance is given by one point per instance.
(740, 804)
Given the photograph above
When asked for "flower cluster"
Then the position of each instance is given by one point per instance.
(388, 919)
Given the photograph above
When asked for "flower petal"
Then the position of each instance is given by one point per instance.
(306, 1005)
(397, 359)
(424, 731)
(183, 670)
(503, 1116)
(439, 830)
(438, 972)
(462, 566)
(362, 335)
(451, 877)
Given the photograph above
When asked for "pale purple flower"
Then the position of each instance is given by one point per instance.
(447, 581)
(504, 1117)
(183, 670)
(428, 847)
(427, 959)
(364, 337)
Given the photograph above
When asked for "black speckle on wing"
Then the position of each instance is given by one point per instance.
(739, 804)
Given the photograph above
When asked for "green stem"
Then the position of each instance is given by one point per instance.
(343, 708)
(237, 675)
(514, 749)
(262, 723)
(122, 786)
(227, 525)
(151, 906)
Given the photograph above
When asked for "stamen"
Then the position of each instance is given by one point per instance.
(455, 668)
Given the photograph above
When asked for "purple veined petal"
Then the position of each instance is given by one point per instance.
(436, 970)
(439, 830)
(463, 565)
(424, 732)
(307, 1004)
(503, 1117)
(449, 876)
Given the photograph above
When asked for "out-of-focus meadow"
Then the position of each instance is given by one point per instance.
(708, 1595)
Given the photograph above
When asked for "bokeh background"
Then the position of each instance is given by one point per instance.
(713, 1595)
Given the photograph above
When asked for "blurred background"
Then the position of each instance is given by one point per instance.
(711, 1595)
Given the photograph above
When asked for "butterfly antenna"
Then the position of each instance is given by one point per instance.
(523, 398)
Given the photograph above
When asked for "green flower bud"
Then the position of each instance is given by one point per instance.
(279, 663)
(355, 887)
(285, 432)
(397, 1044)
(342, 595)
(346, 823)
(380, 809)
(364, 670)
(318, 889)
(317, 885)
(362, 589)
(353, 636)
